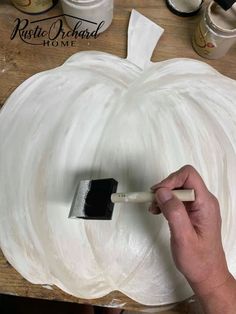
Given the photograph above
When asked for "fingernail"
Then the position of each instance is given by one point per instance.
(150, 209)
(164, 195)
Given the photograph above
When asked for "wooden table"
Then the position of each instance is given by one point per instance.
(19, 60)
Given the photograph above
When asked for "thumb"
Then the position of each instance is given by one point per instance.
(175, 213)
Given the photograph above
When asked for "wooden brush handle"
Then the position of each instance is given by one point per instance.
(145, 197)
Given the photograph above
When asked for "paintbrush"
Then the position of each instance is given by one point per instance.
(95, 199)
(225, 4)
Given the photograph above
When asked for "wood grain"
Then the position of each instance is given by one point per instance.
(19, 60)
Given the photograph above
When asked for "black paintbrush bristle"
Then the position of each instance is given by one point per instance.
(98, 204)
(225, 4)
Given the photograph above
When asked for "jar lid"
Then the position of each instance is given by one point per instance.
(184, 7)
(85, 2)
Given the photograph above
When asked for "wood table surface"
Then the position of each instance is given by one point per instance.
(19, 60)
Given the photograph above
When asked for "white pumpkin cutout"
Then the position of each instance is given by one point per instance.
(102, 116)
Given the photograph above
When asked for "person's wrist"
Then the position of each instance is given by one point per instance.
(212, 284)
(220, 299)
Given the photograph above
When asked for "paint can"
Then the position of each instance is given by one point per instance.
(94, 15)
(216, 32)
(34, 6)
(184, 7)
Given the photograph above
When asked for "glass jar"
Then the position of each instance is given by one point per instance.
(34, 6)
(88, 14)
(216, 32)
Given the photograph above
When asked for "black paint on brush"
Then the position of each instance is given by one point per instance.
(98, 204)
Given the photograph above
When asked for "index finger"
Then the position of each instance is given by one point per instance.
(186, 177)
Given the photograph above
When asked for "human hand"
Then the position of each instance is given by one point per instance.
(195, 229)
